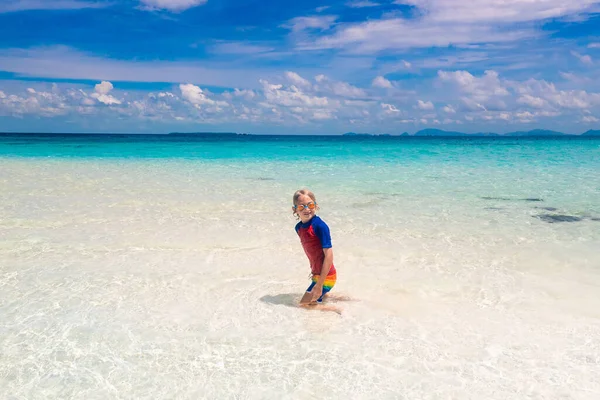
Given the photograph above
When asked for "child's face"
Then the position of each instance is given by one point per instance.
(305, 203)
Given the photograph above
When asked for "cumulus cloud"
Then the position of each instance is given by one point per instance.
(532, 101)
(389, 108)
(338, 88)
(297, 80)
(101, 91)
(425, 105)
(569, 99)
(525, 116)
(449, 109)
(246, 94)
(290, 99)
(197, 96)
(45, 103)
(172, 5)
(291, 96)
(479, 93)
(103, 87)
(381, 82)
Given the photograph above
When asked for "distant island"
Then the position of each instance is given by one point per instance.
(443, 133)
(205, 134)
(422, 133)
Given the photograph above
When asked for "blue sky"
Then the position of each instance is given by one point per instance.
(156, 66)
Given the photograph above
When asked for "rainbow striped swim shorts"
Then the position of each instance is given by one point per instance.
(327, 285)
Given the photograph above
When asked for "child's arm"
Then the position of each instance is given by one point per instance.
(327, 263)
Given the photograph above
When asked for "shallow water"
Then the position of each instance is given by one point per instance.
(137, 267)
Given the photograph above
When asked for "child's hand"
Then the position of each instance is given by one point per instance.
(317, 292)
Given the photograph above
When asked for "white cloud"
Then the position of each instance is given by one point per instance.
(442, 23)
(525, 116)
(319, 22)
(362, 4)
(486, 11)
(338, 88)
(106, 99)
(320, 78)
(576, 79)
(584, 58)
(196, 96)
(172, 5)
(297, 80)
(322, 114)
(391, 34)
(101, 93)
(425, 105)
(568, 99)
(479, 93)
(289, 99)
(103, 87)
(594, 46)
(381, 82)
(504, 116)
(344, 89)
(167, 94)
(241, 48)
(244, 93)
(389, 108)
(27, 5)
(449, 109)
(532, 101)
(589, 118)
(35, 102)
(291, 96)
(61, 62)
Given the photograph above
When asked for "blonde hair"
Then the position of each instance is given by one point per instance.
(303, 192)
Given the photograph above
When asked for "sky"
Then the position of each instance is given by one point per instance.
(299, 67)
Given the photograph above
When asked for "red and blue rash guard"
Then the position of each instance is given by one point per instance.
(315, 236)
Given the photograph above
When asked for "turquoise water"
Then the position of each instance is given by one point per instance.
(562, 170)
(167, 267)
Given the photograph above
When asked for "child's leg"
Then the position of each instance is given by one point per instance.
(306, 299)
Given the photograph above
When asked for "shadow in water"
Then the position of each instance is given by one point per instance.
(285, 299)
(292, 299)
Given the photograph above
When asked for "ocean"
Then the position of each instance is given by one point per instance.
(167, 267)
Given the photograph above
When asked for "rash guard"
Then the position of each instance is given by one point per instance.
(314, 236)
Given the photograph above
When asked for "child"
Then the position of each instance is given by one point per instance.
(316, 241)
